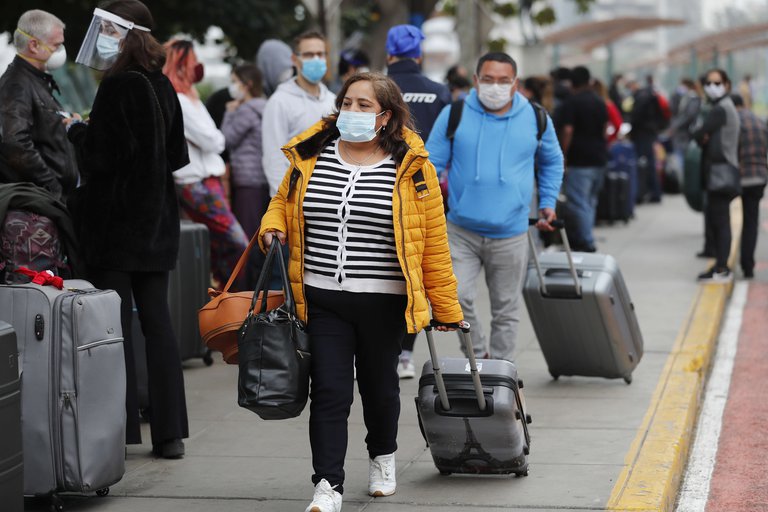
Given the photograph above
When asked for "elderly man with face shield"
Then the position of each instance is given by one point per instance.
(35, 147)
(127, 213)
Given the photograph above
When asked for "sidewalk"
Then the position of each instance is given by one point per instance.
(583, 428)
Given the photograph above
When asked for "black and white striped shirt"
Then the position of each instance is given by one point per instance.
(350, 241)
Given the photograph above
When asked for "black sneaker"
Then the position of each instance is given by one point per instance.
(749, 273)
(705, 254)
(716, 275)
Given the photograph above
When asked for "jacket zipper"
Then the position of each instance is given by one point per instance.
(405, 259)
(56, 409)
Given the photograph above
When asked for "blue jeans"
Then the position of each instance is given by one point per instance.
(582, 187)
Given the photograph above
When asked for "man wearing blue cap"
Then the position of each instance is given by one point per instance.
(426, 99)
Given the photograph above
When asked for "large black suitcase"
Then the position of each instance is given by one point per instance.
(472, 414)
(187, 293)
(11, 457)
(582, 314)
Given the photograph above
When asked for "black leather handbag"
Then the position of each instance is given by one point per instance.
(724, 178)
(274, 357)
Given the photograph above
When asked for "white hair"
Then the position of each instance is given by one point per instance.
(36, 23)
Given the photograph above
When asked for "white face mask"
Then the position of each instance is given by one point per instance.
(57, 59)
(236, 92)
(495, 96)
(715, 91)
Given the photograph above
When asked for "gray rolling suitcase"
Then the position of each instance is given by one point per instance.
(582, 314)
(70, 346)
(11, 459)
(472, 414)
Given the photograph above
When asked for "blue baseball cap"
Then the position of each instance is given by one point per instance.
(404, 41)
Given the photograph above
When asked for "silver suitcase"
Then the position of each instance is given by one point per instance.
(582, 314)
(70, 345)
(472, 414)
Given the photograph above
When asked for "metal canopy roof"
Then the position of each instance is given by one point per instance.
(726, 40)
(593, 34)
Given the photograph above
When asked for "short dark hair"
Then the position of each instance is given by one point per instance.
(309, 34)
(496, 57)
(250, 76)
(580, 76)
(352, 58)
(737, 100)
(139, 48)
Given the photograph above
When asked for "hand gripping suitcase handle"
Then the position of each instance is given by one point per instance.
(438, 371)
(558, 224)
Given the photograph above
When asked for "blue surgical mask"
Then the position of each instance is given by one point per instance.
(107, 46)
(313, 69)
(357, 126)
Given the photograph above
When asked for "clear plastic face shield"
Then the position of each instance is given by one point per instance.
(101, 45)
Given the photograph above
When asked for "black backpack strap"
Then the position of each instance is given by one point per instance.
(541, 121)
(421, 184)
(454, 118)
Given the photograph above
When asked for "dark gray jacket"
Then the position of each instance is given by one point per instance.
(242, 131)
(722, 125)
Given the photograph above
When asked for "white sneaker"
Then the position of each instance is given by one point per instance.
(405, 369)
(325, 499)
(381, 475)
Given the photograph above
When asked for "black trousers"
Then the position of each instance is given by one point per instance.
(166, 381)
(750, 199)
(718, 222)
(366, 328)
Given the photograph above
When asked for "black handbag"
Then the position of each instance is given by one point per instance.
(725, 179)
(274, 357)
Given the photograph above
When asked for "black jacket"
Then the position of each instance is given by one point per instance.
(127, 213)
(424, 97)
(34, 148)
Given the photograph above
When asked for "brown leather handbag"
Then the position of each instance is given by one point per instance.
(223, 316)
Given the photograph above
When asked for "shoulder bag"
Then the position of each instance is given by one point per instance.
(274, 352)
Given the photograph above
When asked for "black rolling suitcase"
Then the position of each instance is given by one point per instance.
(582, 314)
(11, 457)
(472, 414)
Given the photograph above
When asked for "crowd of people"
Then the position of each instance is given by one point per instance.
(346, 177)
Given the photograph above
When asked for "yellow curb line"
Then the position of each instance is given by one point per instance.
(655, 463)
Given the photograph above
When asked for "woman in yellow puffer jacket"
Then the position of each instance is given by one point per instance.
(361, 211)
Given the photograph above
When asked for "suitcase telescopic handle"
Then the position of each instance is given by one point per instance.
(463, 327)
(557, 224)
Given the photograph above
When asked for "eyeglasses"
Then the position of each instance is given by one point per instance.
(486, 80)
(312, 55)
(713, 83)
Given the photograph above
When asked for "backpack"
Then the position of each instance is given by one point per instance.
(454, 117)
(457, 108)
(29, 240)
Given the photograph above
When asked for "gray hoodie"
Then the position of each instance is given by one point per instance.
(289, 111)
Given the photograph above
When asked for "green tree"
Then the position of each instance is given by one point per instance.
(246, 23)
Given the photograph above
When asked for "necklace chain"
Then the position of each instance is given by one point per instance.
(359, 163)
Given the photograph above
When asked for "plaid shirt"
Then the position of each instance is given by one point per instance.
(753, 149)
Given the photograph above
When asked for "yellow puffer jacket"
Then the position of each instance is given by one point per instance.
(419, 222)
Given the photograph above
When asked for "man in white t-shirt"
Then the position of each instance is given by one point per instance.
(296, 105)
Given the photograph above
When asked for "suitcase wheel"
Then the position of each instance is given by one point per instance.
(208, 358)
(554, 375)
(445, 473)
(56, 505)
(521, 473)
(102, 492)
(628, 379)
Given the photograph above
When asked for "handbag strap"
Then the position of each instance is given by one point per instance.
(262, 285)
(154, 94)
(241, 262)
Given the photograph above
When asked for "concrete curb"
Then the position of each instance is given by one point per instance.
(656, 461)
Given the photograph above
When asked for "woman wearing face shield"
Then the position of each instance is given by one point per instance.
(127, 212)
(199, 186)
(361, 211)
(719, 138)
